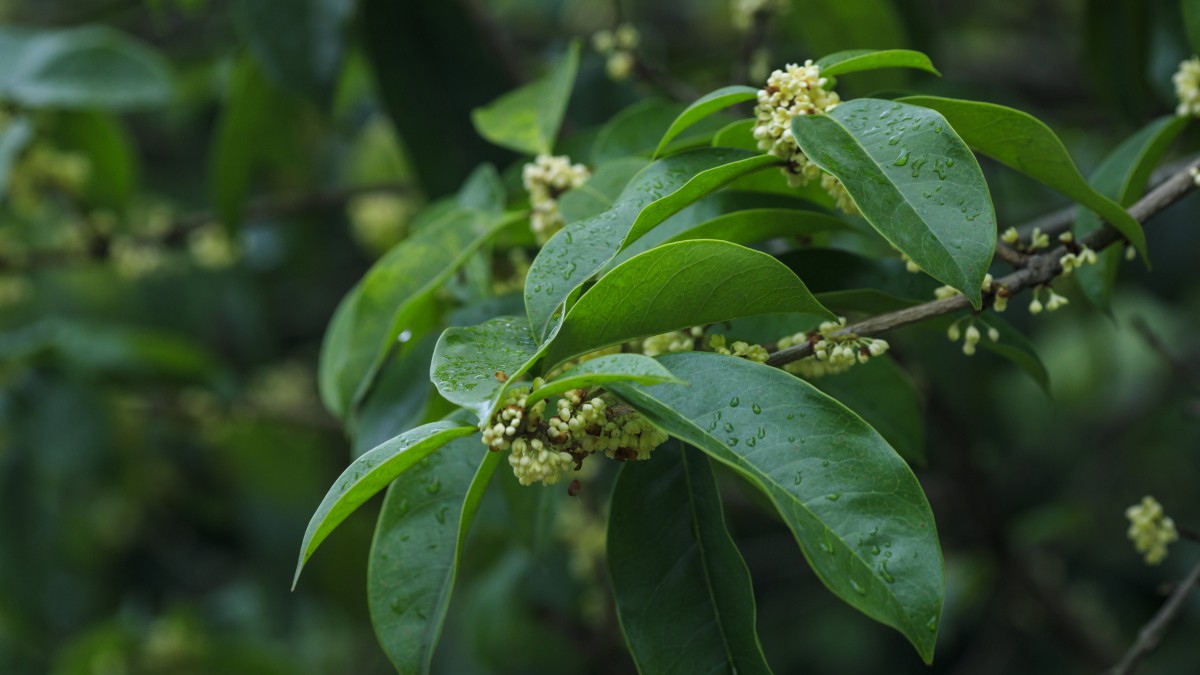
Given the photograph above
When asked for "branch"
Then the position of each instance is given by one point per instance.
(1152, 633)
(1038, 270)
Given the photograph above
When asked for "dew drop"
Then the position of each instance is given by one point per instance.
(949, 162)
(734, 402)
(858, 588)
(932, 624)
(902, 159)
(799, 477)
(824, 462)
(885, 574)
(833, 496)
(441, 515)
(791, 416)
(434, 487)
(732, 442)
(729, 426)
(875, 550)
(756, 408)
(752, 441)
(791, 439)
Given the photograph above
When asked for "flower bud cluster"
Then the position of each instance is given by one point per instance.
(545, 178)
(1073, 261)
(675, 341)
(745, 350)
(795, 90)
(1187, 87)
(832, 353)
(380, 220)
(620, 46)
(1150, 529)
(211, 247)
(1037, 239)
(544, 449)
(1054, 302)
(971, 336)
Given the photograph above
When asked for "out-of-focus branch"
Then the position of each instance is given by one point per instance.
(1152, 633)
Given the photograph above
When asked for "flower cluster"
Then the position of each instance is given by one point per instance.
(1150, 529)
(1054, 302)
(675, 341)
(546, 178)
(620, 47)
(745, 350)
(380, 220)
(543, 449)
(832, 352)
(795, 90)
(211, 247)
(1074, 260)
(1037, 239)
(971, 336)
(1187, 87)
(744, 11)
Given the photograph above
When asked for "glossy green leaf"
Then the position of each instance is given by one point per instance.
(1022, 142)
(1122, 177)
(466, 361)
(683, 593)
(855, 60)
(85, 67)
(602, 370)
(852, 503)
(300, 50)
(13, 139)
(1015, 347)
(369, 474)
(386, 309)
(579, 251)
(914, 180)
(418, 544)
(886, 398)
(703, 107)
(527, 120)
(754, 225)
(636, 131)
(600, 191)
(688, 283)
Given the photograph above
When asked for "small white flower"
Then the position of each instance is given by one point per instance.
(1187, 87)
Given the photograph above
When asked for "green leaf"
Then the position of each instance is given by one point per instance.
(914, 180)
(483, 190)
(855, 60)
(602, 370)
(600, 191)
(466, 361)
(386, 308)
(301, 49)
(683, 592)
(886, 398)
(828, 272)
(636, 130)
(112, 161)
(1122, 177)
(688, 283)
(527, 120)
(740, 134)
(703, 107)
(1015, 347)
(852, 503)
(13, 139)
(755, 225)
(580, 250)
(1022, 142)
(85, 67)
(418, 544)
(398, 402)
(369, 474)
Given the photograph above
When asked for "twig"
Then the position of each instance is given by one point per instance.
(267, 207)
(1039, 269)
(1152, 633)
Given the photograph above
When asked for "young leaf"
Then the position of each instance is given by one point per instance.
(754, 225)
(1014, 346)
(1122, 177)
(709, 281)
(369, 474)
(579, 251)
(603, 370)
(852, 503)
(703, 107)
(527, 120)
(683, 593)
(914, 180)
(855, 60)
(1022, 142)
(101, 138)
(417, 547)
(886, 398)
(471, 365)
(86, 67)
(636, 130)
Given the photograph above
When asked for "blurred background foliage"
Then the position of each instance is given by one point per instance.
(190, 186)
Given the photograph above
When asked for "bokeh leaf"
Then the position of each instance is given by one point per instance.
(685, 603)
(527, 120)
(301, 49)
(852, 503)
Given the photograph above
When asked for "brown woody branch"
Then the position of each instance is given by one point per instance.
(1151, 634)
(1038, 270)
